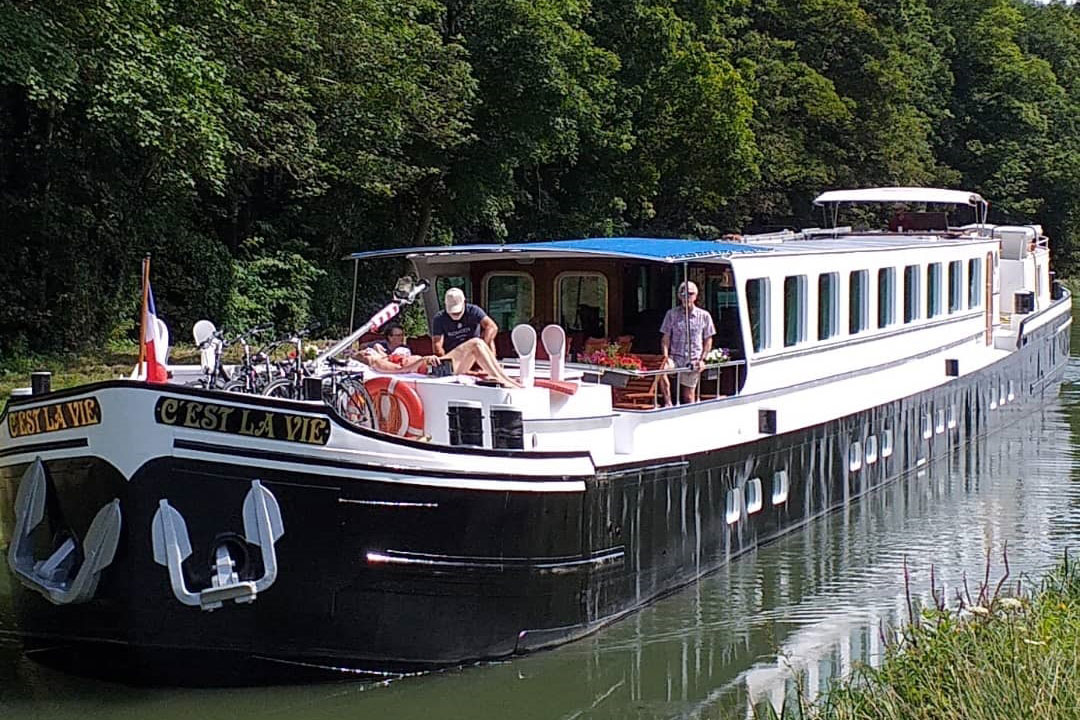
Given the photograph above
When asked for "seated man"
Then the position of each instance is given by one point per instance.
(473, 352)
(459, 322)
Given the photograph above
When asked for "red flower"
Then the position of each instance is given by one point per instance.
(612, 358)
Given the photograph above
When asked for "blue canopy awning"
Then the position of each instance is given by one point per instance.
(668, 250)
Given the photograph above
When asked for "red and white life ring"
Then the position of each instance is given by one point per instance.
(392, 398)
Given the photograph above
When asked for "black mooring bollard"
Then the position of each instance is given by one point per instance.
(312, 388)
(40, 382)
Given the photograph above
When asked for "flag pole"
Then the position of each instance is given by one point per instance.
(143, 364)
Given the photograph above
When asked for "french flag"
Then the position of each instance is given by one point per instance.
(155, 339)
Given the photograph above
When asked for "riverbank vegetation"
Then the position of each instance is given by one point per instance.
(990, 656)
(248, 145)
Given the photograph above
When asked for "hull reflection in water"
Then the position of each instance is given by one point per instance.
(812, 602)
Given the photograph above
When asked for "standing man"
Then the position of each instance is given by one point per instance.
(459, 322)
(687, 333)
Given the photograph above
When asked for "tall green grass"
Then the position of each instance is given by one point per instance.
(989, 657)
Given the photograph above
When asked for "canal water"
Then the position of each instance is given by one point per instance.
(808, 605)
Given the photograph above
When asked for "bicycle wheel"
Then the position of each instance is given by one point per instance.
(352, 402)
(239, 386)
(283, 388)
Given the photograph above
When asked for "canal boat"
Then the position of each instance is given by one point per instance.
(184, 532)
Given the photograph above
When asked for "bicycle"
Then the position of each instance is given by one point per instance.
(291, 386)
(255, 371)
(344, 391)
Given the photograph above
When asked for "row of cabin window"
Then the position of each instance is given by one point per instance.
(939, 299)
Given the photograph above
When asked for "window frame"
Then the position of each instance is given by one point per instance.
(558, 296)
(795, 321)
(858, 297)
(934, 306)
(975, 283)
(956, 285)
(888, 317)
(762, 340)
(828, 312)
(485, 294)
(912, 294)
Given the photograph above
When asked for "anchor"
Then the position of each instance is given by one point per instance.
(172, 546)
(56, 577)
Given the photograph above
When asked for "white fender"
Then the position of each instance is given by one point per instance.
(524, 339)
(554, 339)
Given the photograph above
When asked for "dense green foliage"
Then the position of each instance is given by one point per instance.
(248, 144)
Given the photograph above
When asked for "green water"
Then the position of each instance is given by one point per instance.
(812, 602)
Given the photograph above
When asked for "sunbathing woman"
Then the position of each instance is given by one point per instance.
(473, 352)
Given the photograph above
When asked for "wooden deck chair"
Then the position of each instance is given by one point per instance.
(644, 393)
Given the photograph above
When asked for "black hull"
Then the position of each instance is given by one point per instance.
(390, 578)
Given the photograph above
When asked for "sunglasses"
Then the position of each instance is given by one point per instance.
(686, 294)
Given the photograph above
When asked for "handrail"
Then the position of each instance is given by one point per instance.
(1066, 296)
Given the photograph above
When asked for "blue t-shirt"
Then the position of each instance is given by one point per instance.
(455, 332)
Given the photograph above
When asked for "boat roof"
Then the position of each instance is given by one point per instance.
(667, 250)
(900, 194)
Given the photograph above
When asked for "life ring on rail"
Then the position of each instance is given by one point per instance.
(390, 397)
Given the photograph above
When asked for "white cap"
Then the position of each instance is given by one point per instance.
(455, 302)
(688, 285)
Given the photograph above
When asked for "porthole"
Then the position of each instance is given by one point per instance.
(753, 496)
(1001, 394)
(871, 449)
(886, 443)
(993, 398)
(734, 506)
(939, 426)
(854, 456)
(1012, 392)
(927, 429)
(951, 418)
(779, 487)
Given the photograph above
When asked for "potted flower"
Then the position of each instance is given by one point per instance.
(715, 357)
(610, 357)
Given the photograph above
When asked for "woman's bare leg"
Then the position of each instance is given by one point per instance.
(476, 352)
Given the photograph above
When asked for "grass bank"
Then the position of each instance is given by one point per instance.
(112, 362)
(993, 657)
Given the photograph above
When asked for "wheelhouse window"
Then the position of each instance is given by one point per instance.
(828, 305)
(911, 293)
(956, 283)
(858, 301)
(886, 297)
(508, 298)
(445, 282)
(974, 283)
(794, 309)
(933, 290)
(582, 299)
(757, 306)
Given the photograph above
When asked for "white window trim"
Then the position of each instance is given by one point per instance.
(802, 300)
(733, 510)
(756, 506)
(764, 313)
(855, 456)
(780, 494)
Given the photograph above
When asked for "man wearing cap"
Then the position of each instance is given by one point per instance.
(686, 336)
(459, 322)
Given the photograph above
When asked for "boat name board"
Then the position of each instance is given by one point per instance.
(52, 418)
(250, 422)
